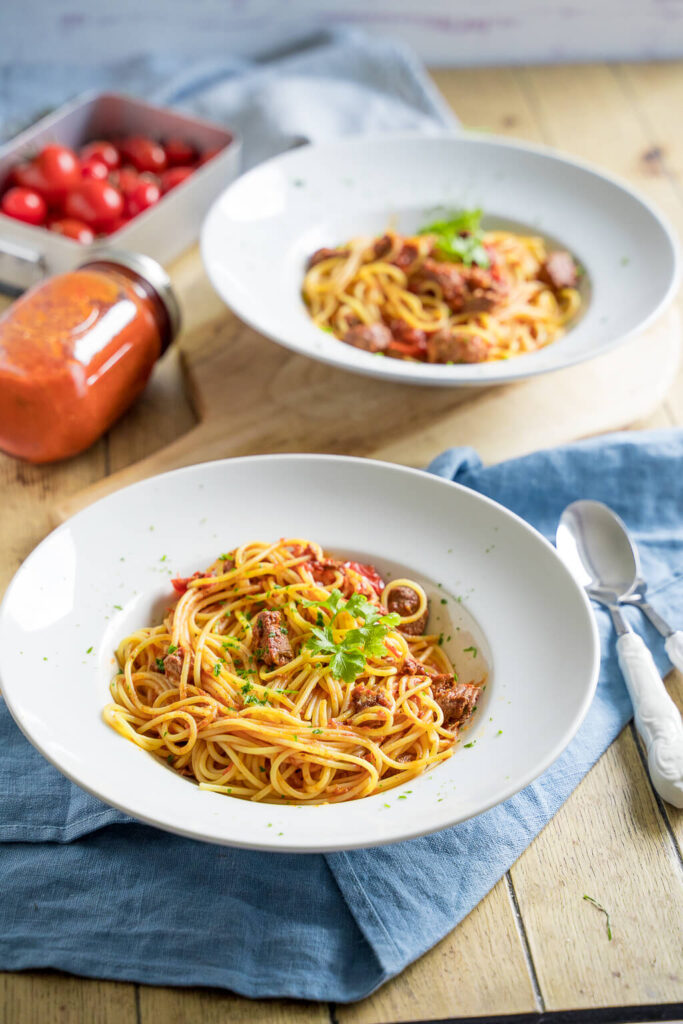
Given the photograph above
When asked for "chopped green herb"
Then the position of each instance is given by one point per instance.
(440, 640)
(316, 732)
(624, 262)
(465, 650)
(172, 648)
(44, 658)
(599, 906)
(499, 733)
(470, 744)
(160, 666)
(217, 667)
(444, 600)
(163, 558)
(170, 758)
(118, 607)
(403, 798)
(348, 657)
(89, 651)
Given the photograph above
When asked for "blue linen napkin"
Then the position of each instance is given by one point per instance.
(88, 890)
(340, 82)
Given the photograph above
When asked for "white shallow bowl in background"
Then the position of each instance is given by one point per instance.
(259, 233)
(107, 572)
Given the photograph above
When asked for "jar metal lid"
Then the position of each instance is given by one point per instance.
(151, 271)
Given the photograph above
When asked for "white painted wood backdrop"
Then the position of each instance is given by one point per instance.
(444, 32)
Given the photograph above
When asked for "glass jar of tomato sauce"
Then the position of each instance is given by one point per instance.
(76, 351)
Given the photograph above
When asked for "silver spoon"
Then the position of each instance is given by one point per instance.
(595, 546)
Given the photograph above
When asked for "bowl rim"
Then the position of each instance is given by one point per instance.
(394, 835)
(459, 375)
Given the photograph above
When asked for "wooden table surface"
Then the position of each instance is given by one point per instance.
(533, 946)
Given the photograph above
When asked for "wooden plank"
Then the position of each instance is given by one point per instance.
(490, 100)
(28, 496)
(619, 845)
(478, 969)
(185, 1006)
(160, 415)
(656, 93)
(35, 997)
(609, 842)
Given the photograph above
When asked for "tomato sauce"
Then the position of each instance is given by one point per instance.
(76, 351)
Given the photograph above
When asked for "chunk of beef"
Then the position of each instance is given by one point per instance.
(370, 337)
(383, 246)
(464, 289)
(405, 601)
(173, 665)
(271, 643)
(407, 256)
(483, 291)
(363, 697)
(325, 254)
(559, 271)
(404, 334)
(325, 571)
(447, 346)
(446, 276)
(413, 667)
(456, 700)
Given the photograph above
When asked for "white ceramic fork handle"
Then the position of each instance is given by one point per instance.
(673, 646)
(656, 716)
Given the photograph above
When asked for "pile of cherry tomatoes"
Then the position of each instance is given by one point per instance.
(98, 190)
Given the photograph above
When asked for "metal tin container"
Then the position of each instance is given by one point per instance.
(163, 231)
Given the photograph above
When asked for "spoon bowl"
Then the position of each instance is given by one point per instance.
(594, 543)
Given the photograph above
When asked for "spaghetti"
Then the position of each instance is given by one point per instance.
(281, 674)
(451, 294)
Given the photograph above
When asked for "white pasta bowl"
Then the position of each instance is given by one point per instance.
(260, 232)
(106, 572)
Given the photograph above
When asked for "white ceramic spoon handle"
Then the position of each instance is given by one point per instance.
(656, 716)
(674, 648)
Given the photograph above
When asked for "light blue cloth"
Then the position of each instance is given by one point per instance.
(87, 890)
(334, 83)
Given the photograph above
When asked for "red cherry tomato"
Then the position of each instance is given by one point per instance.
(179, 153)
(125, 179)
(116, 225)
(101, 150)
(370, 573)
(207, 155)
(145, 194)
(24, 204)
(53, 173)
(174, 176)
(95, 168)
(144, 154)
(98, 203)
(71, 228)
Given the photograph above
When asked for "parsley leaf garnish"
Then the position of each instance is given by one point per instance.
(460, 238)
(348, 656)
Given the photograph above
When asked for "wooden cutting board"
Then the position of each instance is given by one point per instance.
(252, 396)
